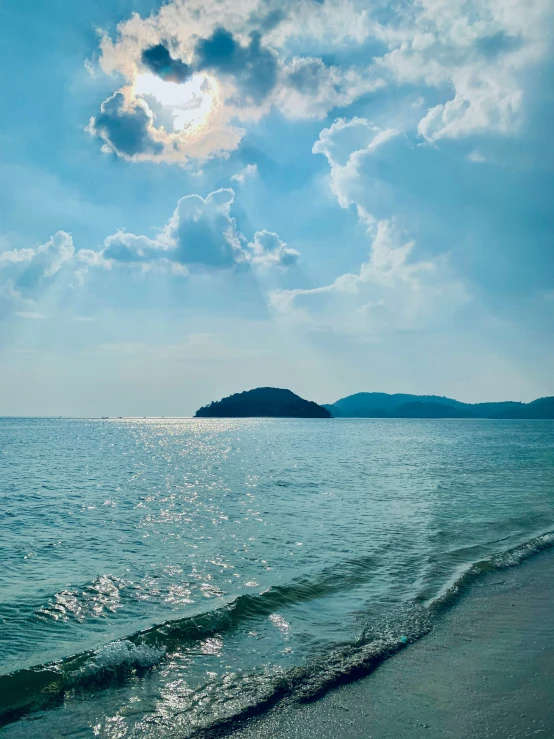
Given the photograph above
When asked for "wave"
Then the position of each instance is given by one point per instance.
(350, 662)
(37, 688)
(500, 561)
(109, 593)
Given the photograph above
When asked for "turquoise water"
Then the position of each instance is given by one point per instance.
(157, 576)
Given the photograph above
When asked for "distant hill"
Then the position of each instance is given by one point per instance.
(269, 402)
(263, 402)
(383, 405)
(375, 405)
(428, 409)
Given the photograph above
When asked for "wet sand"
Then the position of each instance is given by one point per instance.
(485, 671)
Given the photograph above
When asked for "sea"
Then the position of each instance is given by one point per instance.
(174, 577)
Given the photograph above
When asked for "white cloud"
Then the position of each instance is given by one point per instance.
(344, 137)
(200, 235)
(476, 157)
(194, 69)
(250, 171)
(346, 144)
(129, 126)
(324, 25)
(29, 266)
(391, 291)
(310, 88)
(480, 50)
(268, 250)
(16, 256)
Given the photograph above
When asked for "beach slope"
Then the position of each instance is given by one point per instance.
(485, 671)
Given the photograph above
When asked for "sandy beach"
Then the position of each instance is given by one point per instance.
(486, 670)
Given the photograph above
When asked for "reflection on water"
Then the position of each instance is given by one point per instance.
(192, 567)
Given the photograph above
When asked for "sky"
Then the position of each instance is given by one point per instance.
(198, 197)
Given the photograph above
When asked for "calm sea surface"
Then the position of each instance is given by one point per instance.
(161, 575)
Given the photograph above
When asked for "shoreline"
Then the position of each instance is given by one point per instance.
(509, 594)
(485, 670)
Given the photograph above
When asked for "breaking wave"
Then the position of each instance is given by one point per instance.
(39, 687)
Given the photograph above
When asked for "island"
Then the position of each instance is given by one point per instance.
(263, 402)
(383, 405)
(271, 402)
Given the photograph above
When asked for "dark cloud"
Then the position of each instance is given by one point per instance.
(159, 61)
(253, 67)
(307, 75)
(204, 233)
(201, 235)
(219, 51)
(125, 128)
(126, 247)
(272, 20)
(499, 43)
(265, 19)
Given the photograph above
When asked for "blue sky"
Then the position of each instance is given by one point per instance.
(333, 196)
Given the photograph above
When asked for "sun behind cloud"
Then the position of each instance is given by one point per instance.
(195, 70)
(189, 104)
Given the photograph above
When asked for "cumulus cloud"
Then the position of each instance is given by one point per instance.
(23, 272)
(252, 67)
(221, 62)
(25, 268)
(344, 137)
(200, 235)
(346, 144)
(310, 88)
(203, 233)
(477, 50)
(268, 250)
(391, 291)
(140, 127)
(127, 127)
(211, 63)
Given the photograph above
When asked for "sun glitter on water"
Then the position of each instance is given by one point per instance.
(189, 104)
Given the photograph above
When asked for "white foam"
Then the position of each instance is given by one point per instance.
(122, 655)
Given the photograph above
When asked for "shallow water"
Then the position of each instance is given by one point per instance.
(166, 574)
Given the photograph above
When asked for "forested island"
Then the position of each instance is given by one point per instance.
(269, 402)
(263, 402)
(383, 405)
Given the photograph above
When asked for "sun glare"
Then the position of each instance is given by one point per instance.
(189, 103)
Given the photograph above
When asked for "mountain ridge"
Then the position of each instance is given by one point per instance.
(404, 405)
